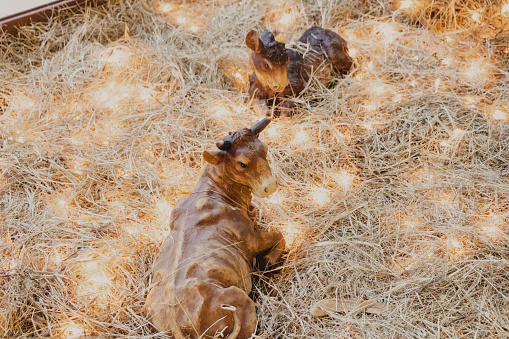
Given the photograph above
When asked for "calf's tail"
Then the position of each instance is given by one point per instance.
(236, 327)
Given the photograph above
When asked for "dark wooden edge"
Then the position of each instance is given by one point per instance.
(11, 23)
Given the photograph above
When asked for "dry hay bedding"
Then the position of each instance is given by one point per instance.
(393, 180)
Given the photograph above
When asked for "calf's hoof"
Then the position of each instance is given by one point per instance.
(286, 109)
(286, 113)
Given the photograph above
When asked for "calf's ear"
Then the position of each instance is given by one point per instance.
(214, 157)
(253, 41)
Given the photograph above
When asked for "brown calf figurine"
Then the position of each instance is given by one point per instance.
(202, 278)
(281, 73)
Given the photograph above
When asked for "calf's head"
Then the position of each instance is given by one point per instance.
(340, 57)
(242, 157)
(269, 60)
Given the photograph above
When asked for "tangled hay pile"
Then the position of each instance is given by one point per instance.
(393, 180)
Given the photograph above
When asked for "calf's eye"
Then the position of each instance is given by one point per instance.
(243, 165)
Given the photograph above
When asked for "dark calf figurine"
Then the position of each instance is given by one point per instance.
(281, 73)
(203, 275)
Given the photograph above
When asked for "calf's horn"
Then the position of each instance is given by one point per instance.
(224, 145)
(267, 37)
(260, 126)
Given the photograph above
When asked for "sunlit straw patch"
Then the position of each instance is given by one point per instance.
(21, 102)
(470, 101)
(412, 260)
(492, 231)
(164, 207)
(111, 95)
(348, 34)
(455, 247)
(277, 198)
(82, 137)
(479, 71)
(58, 255)
(342, 134)
(398, 97)
(187, 16)
(409, 6)
(195, 28)
(498, 113)
(505, 8)
(78, 165)
(492, 226)
(239, 76)
(149, 153)
(286, 19)
(8, 263)
(120, 57)
(123, 172)
(387, 31)
(96, 282)
(477, 16)
(370, 125)
(61, 202)
(131, 229)
(100, 281)
(302, 138)
(170, 169)
(114, 95)
(410, 223)
(116, 200)
(221, 111)
(378, 88)
(421, 175)
(443, 197)
(458, 133)
(20, 137)
(110, 129)
(445, 144)
(19, 132)
(408, 219)
(159, 234)
(293, 232)
(71, 329)
(273, 132)
(74, 109)
(447, 61)
(319, 196)
(279, 130)
(353, 51)
(283, 16)
(166, 7)
(344, 179)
